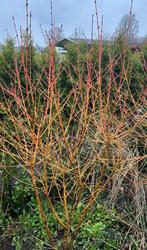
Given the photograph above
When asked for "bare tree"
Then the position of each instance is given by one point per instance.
(129, 27)
(56, 33)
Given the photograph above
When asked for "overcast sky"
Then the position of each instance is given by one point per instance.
(71, 13)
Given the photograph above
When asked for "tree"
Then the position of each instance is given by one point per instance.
(7, 60)
(55, 34)
(128, 27)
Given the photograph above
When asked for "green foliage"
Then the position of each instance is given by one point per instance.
(138, 76)
(7, 52)
(102, 231)
(76, 53)
(144, 52)
(99, 232)
(23, 216)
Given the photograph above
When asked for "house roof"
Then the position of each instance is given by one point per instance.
(79, 40)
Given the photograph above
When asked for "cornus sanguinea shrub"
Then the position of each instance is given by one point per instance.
(74, 145)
